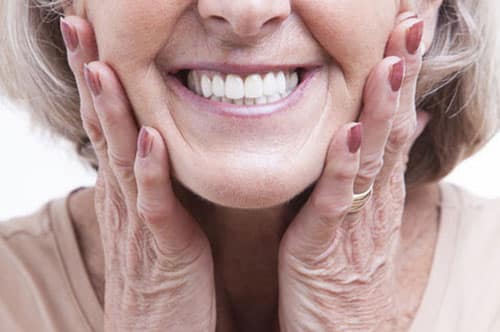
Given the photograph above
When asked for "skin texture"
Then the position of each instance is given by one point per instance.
(228, 248)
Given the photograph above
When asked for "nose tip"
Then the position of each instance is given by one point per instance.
(245, 18)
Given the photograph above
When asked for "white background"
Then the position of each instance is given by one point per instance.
(35, 168)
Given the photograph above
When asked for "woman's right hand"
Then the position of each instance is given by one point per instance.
(158, 262)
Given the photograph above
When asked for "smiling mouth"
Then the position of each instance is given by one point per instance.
(252, 89)
(243, 91)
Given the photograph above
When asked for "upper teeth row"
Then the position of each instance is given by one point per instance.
(210, 84)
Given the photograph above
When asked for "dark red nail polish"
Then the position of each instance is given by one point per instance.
(144, 143)
(93, 80)
(414, 36)
(397, 74)
(69, 34)
(355, 138)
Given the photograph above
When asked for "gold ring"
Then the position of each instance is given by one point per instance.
(359, 200)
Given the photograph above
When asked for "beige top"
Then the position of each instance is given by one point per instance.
(44, 285)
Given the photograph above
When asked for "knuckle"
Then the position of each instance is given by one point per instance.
(151, 212)
(121, 165)
(118, 210)
(109, 115)
(184, 260)
(90, 124)
(400, 135)
(344, 174)
(329, 207)
(147, 177)
(370, 168)
(100, 145)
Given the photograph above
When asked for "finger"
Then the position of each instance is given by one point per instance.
(314, 230)
(405, 42)
(381, 100)
(117, 122)
(173, 228)
(81, 48)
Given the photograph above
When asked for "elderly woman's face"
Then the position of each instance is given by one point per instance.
(244, 161)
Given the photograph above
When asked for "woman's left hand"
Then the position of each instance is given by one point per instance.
(336, 269)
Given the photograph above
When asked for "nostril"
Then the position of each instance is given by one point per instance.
(218, 19)
(272, 21)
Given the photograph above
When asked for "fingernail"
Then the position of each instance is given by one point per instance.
(93, 80)
(397, 74)
(414, 36)
(69, 34)
(144, 143)
(355, 138)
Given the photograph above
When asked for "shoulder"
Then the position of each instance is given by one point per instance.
(470, 207)
(473, 220)
(32, 225)
(471, 227)
(31, 270)
(463, 292)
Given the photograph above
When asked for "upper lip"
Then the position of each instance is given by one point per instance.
(241, 69)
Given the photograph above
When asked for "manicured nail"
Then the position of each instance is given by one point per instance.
(414, 36)
(93, 80)
(355, 138)
(144, 143)
(69, 34)
(397, 74)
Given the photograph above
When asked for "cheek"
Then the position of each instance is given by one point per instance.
(130, 39)
(353, 32)
(135, 32)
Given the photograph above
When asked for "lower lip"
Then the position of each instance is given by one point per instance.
(243, 111)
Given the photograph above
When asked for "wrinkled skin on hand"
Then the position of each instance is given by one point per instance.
(336, 268)
(158, 262)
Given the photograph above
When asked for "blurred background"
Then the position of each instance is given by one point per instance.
(36, 167)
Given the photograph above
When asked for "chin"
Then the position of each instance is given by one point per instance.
(259, 189)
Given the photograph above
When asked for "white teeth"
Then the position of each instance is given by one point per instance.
(206, 86)
(218, 86)
(273, 98)
(281, 82)
(255, 89)
(235, 88)
(270, 87)
(261, 100)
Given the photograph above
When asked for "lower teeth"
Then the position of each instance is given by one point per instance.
(250, 101)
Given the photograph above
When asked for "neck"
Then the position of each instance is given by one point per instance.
(245, 247)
